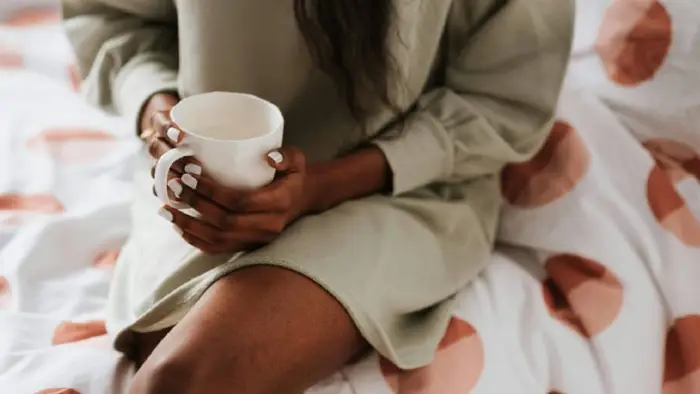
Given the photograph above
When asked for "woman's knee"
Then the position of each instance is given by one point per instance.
(245, 335)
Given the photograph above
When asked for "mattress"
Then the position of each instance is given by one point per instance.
(593, 287)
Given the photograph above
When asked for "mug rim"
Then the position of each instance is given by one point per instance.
(278, 114)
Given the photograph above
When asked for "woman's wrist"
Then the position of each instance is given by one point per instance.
(359, 174)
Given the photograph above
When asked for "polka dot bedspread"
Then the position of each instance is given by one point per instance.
(593, 288)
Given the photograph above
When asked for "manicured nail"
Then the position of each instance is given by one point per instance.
(173, 134)
(175, 186)
(189, 180)
(165, 214)
(193, 169)
(178, 229)
(276, 157)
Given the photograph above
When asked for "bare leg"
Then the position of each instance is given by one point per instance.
(261, 330)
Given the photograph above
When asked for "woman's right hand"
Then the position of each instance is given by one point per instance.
(155, 122)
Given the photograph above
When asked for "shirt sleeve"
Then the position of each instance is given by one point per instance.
(126, 51)
(506, 63)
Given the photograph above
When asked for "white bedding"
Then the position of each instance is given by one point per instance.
(594, 288)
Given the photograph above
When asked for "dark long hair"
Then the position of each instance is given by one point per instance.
(349, 40)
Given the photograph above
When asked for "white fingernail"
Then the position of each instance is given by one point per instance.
(165, 214)
(276, 157)
(173, 134)
(175, 186)
(193, 169)
(189, 180)
(178, 230)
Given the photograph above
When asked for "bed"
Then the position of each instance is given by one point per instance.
(593, 288)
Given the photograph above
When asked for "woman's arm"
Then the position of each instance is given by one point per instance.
(506, 61)
(126, 51)
(361, 173)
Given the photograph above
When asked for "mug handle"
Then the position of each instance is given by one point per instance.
(160, 177)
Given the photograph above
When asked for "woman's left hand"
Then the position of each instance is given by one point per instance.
(234, 220)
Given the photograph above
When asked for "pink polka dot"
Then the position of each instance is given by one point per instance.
(582, 293)
(10, 58)
(74, 77)
(74, 145)
(678, 160)
(19, 209)
(550, 174)
(32, 16)
(45, 203)
(682, 358)
(458, 365)
(106, 259)
(634, 40)
(68, 332)
(665, 203)
(5, 292)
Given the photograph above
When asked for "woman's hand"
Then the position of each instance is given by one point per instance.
(235, 220)
(159, 133)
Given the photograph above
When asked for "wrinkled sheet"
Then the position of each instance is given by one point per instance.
(592, 289)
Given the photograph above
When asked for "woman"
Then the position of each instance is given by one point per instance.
(399, 117)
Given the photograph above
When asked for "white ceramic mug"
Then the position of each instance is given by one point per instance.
(230, 134)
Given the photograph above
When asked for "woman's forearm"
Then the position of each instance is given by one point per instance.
(359, 174)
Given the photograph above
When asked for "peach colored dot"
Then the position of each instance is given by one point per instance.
(669, 208)
(74, 77)
(32, 16)
(19, 205)
(106, 259)
(58, 391)
(678, 160)
(68, 332)
(74, 145)
(5, 292)
(682, 358)
(554, 171)
(634, 40)
(456, 369)
(582, 293)
(10, 58)
(45, 203)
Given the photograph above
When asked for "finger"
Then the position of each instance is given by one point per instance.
(157, 146)
(174, 187)
(192, 225)
(211, 212)
(166, 128)
(272, 198)
(198, 243)
(147, 134)
(176, 170)
(217, 216)
(208, 238)
(287, 160)
(202, 186)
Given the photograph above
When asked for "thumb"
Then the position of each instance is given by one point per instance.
(287, 160)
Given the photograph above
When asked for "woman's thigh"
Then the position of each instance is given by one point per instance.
(259, 330)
